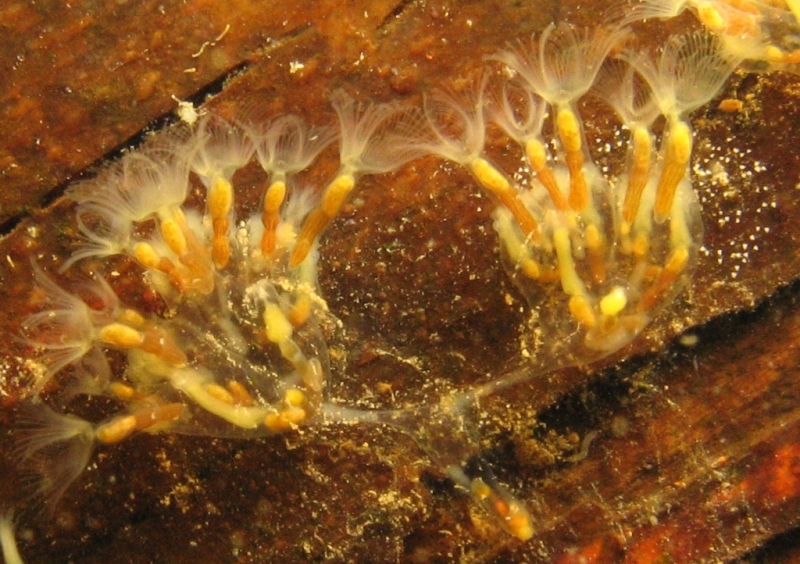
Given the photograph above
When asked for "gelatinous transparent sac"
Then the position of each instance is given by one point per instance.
(596, 256)
(240, 349)
(610, 251)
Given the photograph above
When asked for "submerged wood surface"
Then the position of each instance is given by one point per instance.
(695, 453)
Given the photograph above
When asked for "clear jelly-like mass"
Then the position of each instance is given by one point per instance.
(241, 348)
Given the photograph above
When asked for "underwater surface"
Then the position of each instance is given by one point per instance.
(460, 340)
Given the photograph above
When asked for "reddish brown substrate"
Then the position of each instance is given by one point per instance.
(697, 456)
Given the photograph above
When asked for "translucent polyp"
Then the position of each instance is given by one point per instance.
(562, 63)
(690, 70)
(597, 281)
(611, 251)
(763, 32)
(242, 353)
(371, 141)
(284, 147)
(228, 357)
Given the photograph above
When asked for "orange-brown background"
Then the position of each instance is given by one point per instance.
(697, 457)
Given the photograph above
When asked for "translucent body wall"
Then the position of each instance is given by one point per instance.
(223, 327)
